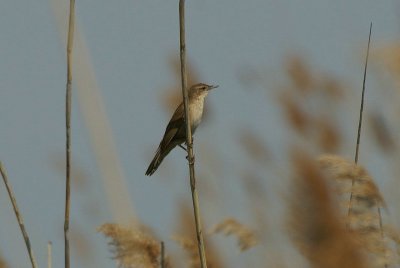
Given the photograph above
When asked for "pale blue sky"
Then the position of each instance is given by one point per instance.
(130, 44)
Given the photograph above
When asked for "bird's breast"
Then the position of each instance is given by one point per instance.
(196, 113)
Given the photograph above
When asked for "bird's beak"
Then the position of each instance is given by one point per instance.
(212, 87)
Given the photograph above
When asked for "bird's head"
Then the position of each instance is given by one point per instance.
(200, 89)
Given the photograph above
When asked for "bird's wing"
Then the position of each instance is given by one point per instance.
(178, 115)
(175, 127)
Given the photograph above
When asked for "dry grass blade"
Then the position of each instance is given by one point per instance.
(18, 216)
(315, 225)
(132, 247)
(246, 237)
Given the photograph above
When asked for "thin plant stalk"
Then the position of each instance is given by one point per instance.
(359, 137)
(189, 139)
(381, 229)
(18, 215)
(70, 40)
(360, 119)
(162, 258)
(49, 254)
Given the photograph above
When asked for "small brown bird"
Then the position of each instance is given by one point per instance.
(175, 133)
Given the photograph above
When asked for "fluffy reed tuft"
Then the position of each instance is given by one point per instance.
(132, 247)
(314, 224)
(364, 220)
(365, 191)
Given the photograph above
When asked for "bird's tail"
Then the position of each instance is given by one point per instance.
(158, 158)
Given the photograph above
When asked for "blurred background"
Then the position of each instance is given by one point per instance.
(289, 74)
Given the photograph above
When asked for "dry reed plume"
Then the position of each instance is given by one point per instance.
(315, 225)
(342, 170)
(132, 247)
(364, 219)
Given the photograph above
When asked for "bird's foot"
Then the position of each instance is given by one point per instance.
(187, 156)
(188, 159)
(180, 145)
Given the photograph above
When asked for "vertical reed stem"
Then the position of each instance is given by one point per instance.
(189, 139)
(71, 27)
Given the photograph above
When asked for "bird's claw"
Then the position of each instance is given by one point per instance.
(180, 145)
(188, 159)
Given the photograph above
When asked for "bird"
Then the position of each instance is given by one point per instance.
(175, 132)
